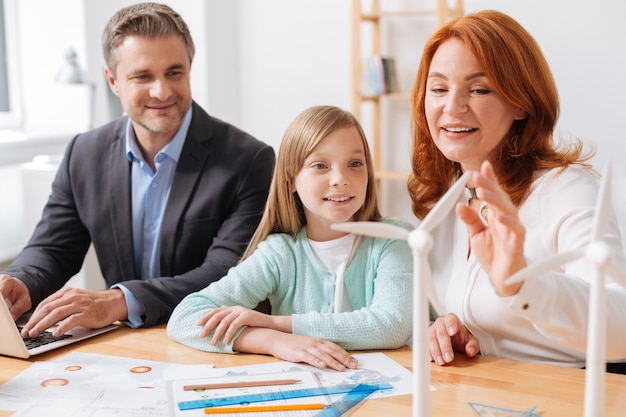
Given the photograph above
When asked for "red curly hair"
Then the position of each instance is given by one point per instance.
(513, 62)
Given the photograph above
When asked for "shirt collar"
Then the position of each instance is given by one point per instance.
(172, 149)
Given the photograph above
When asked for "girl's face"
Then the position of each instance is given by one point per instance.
(466, 117)
(332, 183)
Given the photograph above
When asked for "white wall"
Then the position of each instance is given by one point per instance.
(259, 63)
(293, 54)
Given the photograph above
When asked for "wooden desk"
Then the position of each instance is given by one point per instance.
(556, 391)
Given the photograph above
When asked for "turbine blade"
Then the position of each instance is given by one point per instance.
(375, 229)
(603, 205)
(445, 204)
(533, 270)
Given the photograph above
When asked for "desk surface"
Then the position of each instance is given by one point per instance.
(556, 391)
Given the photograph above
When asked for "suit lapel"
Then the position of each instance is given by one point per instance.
(118, 190)
(188, 171)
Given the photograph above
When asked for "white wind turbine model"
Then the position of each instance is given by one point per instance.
(599, 253)
(421, 242)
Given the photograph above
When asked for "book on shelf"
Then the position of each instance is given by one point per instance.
(391, 76)
(379, 76)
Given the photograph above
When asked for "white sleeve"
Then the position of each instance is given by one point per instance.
(558, 217)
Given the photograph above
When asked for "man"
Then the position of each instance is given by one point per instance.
(168, 195)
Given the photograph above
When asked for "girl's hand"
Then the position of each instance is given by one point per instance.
(295, 348)
(499, 245)
(225, 321)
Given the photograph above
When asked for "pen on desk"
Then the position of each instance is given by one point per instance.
(261, 408)
(241, 384)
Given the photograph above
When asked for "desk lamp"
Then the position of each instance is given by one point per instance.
(421, 242)
(598, 253)
(72, 73)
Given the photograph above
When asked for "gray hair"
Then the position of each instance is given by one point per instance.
(150, 20)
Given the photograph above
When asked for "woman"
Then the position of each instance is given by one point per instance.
(484, 100)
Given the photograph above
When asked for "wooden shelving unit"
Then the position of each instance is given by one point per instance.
(373, 17)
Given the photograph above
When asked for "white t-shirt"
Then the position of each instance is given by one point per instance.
(335, 255)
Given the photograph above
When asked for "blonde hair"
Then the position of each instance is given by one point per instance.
(513, 62)
(283, 211)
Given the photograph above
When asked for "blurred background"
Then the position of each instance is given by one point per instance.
(260, 62)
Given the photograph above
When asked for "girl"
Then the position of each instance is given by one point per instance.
(329, 291)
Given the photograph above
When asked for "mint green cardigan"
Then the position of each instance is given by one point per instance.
(284, 270)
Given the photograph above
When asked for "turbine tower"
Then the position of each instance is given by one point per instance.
(598, 253)
(421, 242)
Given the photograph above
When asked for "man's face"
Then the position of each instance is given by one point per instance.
(152, 80)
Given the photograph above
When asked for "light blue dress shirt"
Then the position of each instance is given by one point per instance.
(150, 191)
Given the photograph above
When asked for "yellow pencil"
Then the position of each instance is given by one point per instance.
(261, 408)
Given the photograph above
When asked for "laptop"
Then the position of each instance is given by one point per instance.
(13, 344)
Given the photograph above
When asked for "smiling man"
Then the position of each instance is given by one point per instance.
(168, 195)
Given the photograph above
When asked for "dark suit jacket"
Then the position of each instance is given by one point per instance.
(217, 197)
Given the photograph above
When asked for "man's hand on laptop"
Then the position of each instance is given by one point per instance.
(71, 307)
(16, 295)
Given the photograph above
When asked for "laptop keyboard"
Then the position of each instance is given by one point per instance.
(43, 339)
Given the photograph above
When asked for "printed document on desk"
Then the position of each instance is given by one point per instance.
(83, 384)
(86, 384)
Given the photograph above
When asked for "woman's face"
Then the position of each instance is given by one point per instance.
(466, 117)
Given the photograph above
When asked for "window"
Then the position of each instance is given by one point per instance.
(10, 114)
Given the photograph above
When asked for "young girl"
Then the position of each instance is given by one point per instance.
(329, 291)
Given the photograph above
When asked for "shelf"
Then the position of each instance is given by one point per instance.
(392, 175)
(372, 17)
(404, 95)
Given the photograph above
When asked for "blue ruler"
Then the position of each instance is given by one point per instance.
(345, 403)
(283, 395)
